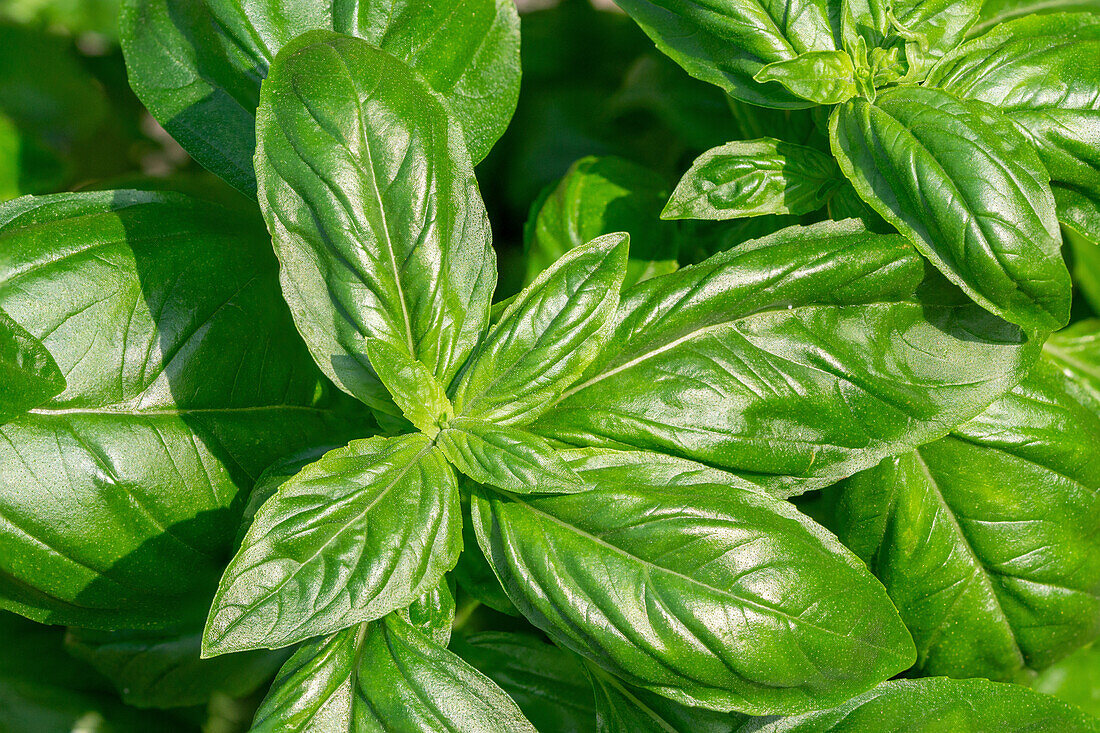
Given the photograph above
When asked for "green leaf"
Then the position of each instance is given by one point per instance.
(508, 458)
(380, 677)
(1086, 269)
(1041, 72)
(362, 532)
(422, 399)
(968, 189)
(120, 498)
(369, 194)
(995, 12)
(793, 361)
(546, 682)
(271, 479)
(821, 77)
(937, 704)
(1074, 680)
(931, 28)
(473, 574)
(728, 43)
(197, 64)
(599, 196)
(606, 467)
(710, 595)
(623, 709)
(433, 614)
(28, 374)
(546, 338)
(161, 671)
(754, 178)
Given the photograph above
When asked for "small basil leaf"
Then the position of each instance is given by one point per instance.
(309, 566)
(368, 191)
(433, 614)
(769, 614)
(508, 458)
(120, 498)
(546, 338)
(197, 64)
(546, 682)
(422, 399)
(960, 706)
(380, 677)
(28, 374)
(624, 709)
(1012, 67)
(599, 196)
(822, 77)
(753, 178)
(968, 189)
(727, 44)
(793, 361)
(1074, 680)
(166, 671)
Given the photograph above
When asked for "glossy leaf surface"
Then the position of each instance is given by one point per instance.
(197, 65)
(821, 77)
(1041, 71)
(936, 704)
(599, 196)
(710, 595)
(380, 677)
(989, 540)
(753, 178)
(508, 458)
(120, 497)
(375, 215)
(362, 532)
(793, 360)
(968, 189)
(422, 399)
(28, 374)
(546, 338)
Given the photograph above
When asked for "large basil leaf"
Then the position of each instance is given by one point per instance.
(1042, 73)
(508, 458)
(728, 43)
(380, 677)
(546, 682)
(710, 595)
(600, 196)
(968, 189)
(197, 64)
(364, 531)
(753, 178)
(375, 215)
(988, 541)
(120, 498)
(546, 337)
(937, 704)
(166, 671)
(794, 361)
(1074, 680)
(28, 374)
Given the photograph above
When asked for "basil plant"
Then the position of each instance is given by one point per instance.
(299, 453)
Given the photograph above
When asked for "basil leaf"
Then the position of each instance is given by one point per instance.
(821, 77)
(28, 374)
(770, 614)
(369, 194)
(961, 706)
(119, 498)
(508, 458)
(432, 614)
(996, 12)
(1073, 680)
(727, 44)
(197, 64)
(286, 584)
(422, 399)
(967, 188)
(931, 28)
(546, 338)
(166, 671)
(793, 361)
(753, 178)
(380, 677)
(1012, 67)
(547, 683)
(606, 467)
(598, 196)
(1086, 268)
